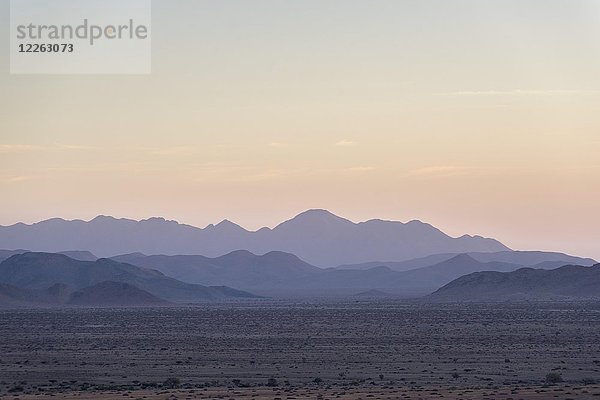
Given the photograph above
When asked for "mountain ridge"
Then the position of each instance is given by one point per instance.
(115, 294)
(317, 236)
(539, 259)
(279, 273)
(55, 277)
(38, 271)
(566, 282)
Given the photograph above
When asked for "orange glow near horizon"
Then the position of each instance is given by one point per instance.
(476, 117)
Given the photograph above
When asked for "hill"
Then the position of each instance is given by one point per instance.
(316, 236)
(114, 294)
(13, 296)
(239, 268)
(373, 293)
(81, 255)
(437, 275)
(4, 254)
(54, 277)
(538, 259)
(567, 282)
(278, 273)
(40, 271)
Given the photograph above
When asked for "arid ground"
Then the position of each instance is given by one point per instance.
(268, 350)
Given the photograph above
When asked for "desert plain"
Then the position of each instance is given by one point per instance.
(321, 349)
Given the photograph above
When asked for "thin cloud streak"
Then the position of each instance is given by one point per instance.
(520, 92)
(28, 148)
(18, 148)
(16, 179)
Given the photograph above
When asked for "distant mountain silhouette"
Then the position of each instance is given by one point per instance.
(59, 293)
(4, 254)
(441, 273)
(284, 272)
(537, 259)
(316, 236)
(418, 281)
(53, 278)
(115, 294)
(567, 282)
(531, 258)
(81, 255)
(401, 266)
(40, 271)
(13, 296)
(238, 269)
(104, 294)
(373, 293)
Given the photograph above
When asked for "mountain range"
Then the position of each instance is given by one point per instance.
(103, 294)
(535, 259)
(316, 236)
(57, 278)
(279, 273)
(315, 253)
(567, 282)
(136, 279)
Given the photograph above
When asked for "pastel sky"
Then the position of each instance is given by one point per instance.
(477, 116)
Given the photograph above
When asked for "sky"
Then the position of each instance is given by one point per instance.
(479, 117)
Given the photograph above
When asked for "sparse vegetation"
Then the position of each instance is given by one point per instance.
(16, 389)
(272, 382)
(553, 377)
(171, 383)
(126, 353)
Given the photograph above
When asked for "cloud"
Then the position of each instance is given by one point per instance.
(18, 148)
(74, 147)
(345, 143)
(520, 92)
(28, 148)
(16, 179)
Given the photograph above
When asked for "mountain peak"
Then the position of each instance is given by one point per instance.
(158, 220)
(567, 282)
(228, 226)
(103, 218)
(463, 258)
(49, 220)
(317, 212)
(316, 216)
(317, 236)
(238, 253)
(311, 222)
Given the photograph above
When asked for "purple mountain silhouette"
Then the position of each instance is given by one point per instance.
(316, 236)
